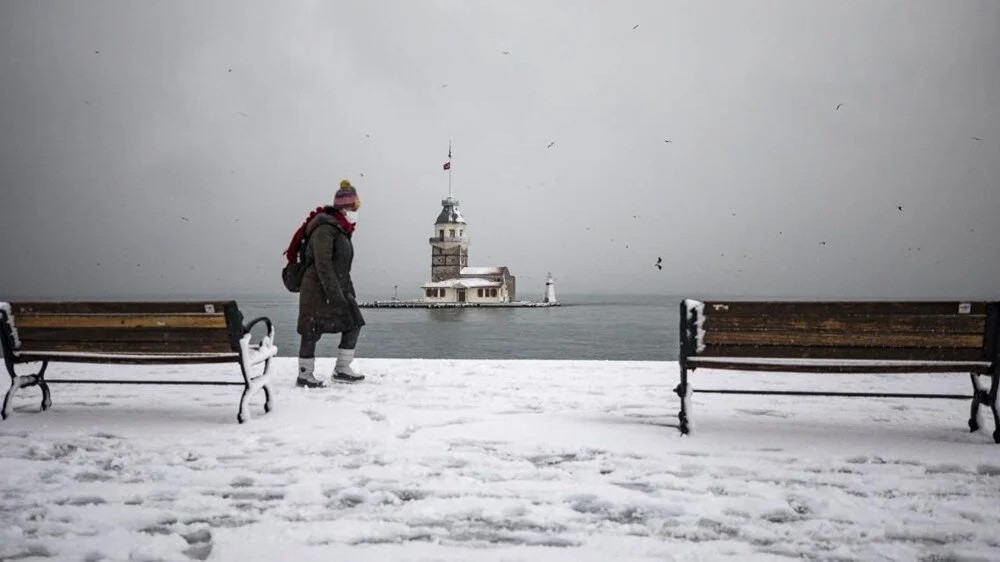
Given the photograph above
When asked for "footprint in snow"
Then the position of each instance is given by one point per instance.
(410, 429)
(988, 469)
(945, 469)
(242, 482)
(200, 551)
(373, 415)
(81, 501)
(200, 544)
(763, 412)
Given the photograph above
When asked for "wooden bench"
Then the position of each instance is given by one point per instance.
(844, 337)
(160, 333)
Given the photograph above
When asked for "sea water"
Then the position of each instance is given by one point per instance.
(599, 327)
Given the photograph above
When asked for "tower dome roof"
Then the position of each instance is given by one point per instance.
(449, 212)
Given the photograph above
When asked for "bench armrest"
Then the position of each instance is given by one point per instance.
(254, 354)
(255, 321)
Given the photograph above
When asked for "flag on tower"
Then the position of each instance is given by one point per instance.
(447, 165)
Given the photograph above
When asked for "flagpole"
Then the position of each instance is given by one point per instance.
(449, 167)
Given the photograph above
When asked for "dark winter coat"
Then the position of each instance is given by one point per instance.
(327, 302)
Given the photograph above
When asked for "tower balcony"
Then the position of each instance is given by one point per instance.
(434, 239)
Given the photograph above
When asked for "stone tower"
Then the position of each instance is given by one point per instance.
(449, 245)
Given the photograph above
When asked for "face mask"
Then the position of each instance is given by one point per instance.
(352, 216)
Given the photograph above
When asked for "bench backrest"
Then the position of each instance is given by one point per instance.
(912, 331)
(123, 332)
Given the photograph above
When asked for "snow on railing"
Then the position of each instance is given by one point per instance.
(9, 314)
(257, 355)
(697, 310)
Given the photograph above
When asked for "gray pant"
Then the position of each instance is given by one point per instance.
(307, 347)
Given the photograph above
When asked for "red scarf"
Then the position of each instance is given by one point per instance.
(292, 253)
(347, 225)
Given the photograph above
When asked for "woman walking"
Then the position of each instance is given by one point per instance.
(327, 301)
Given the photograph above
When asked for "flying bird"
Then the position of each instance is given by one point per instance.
(822, 243)
(229, 70)
(185, 219)
(668, 141)
(976, 138)
(506, 52)
(658, 264)
(838, 107)
(97, 52)
(900, 207)
(241, 113)
(634, 27)
(550, 144)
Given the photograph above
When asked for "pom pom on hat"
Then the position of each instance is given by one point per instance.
(346, 197)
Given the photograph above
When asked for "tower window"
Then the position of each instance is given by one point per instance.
(441, 233)
(479, 292)
(461, 232)
(451, 232)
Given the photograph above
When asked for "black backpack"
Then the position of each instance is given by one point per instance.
(291, 274)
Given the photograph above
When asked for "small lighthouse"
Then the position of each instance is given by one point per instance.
(550, 291)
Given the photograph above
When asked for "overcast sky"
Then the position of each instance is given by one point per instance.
(171, 148)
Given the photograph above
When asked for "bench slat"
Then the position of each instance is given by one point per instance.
(118, 307)
(846, 339)
(183, 347)
(964, 324)
(802, 368)
(899, 353)
(839, 308)
(120, 321)
(132, 360)
(124, 334)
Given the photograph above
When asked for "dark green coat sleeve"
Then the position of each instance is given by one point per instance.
(343, 255)
(322, 247)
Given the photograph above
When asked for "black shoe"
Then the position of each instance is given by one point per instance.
(344, 377)
(308, 383)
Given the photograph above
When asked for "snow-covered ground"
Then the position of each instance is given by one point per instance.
(496, 460)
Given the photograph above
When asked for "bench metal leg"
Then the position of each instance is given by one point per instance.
(267, 399)
(978, 397)
(18, 382)
(983, 397)
(683, 391)
(992, 401)
(252, 387)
